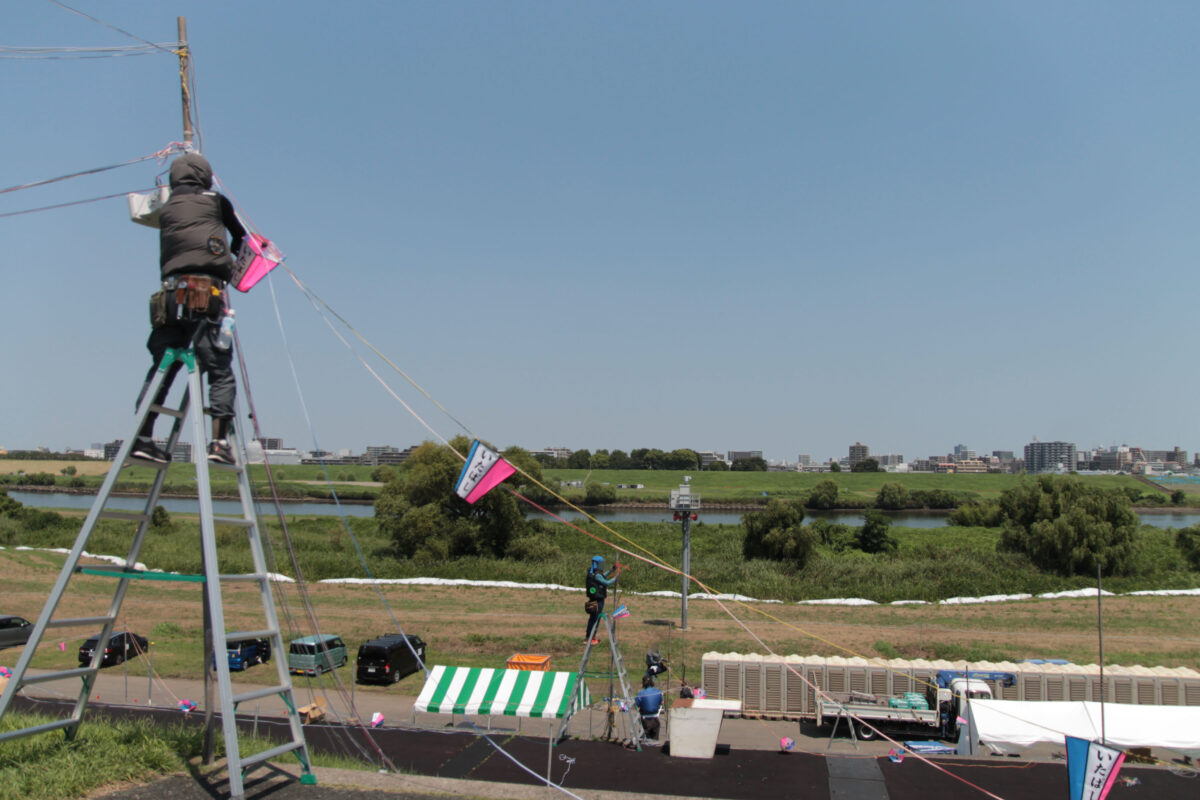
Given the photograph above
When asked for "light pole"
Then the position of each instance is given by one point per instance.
(685, 506)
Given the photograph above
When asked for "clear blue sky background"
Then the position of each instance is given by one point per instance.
(777, 226)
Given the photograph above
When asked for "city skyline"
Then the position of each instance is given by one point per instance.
(771, 226)
(1047, 455)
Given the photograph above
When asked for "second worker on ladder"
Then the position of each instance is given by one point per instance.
(596, 587)
(195, 262)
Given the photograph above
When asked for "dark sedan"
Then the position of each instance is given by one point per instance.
(122, 645)
(14, 631)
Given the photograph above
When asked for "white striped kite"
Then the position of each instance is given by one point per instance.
(484, 470)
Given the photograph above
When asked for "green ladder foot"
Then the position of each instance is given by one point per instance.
(308, 779)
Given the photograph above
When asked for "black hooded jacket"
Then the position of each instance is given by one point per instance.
(193, 222)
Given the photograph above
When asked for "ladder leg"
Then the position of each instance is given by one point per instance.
(258, 554)
(216, 635)
(215, 617)
(17, 681)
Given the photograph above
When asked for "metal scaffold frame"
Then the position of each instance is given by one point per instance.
(216, 635)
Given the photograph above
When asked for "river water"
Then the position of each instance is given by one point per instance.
(907, 519)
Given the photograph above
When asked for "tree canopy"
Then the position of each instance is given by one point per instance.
(425, 519)
(1069, 528)
(823, 495)
(777, 532)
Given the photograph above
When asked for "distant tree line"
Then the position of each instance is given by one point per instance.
(647, 458)
(42, 455)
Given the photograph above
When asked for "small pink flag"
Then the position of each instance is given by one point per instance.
(62, 646)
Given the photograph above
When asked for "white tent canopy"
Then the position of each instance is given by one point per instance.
(1023, 723)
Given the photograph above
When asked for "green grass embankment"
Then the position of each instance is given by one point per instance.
(931, 564)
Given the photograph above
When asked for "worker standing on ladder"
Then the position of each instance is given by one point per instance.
(596, 585)
(195, 261)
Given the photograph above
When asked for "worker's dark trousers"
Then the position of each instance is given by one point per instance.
(650, 724)
(217, 364)
(593, 619)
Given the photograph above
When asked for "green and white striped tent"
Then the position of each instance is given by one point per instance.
(511, 692)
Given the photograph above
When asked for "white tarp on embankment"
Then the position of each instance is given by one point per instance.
(1022, 723)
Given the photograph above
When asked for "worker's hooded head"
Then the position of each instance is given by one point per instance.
(191, 169)
(597, 563)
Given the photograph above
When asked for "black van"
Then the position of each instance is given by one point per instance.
(389, 658)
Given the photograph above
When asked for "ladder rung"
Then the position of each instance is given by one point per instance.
(171, 412)
(78, 621)
(130, 461)
(257, 693)
(46, 677)
(246, 577)
(239, 521)
(130, 516)
(49, 726)
(267, 755)
(224, 467)
(237, 636)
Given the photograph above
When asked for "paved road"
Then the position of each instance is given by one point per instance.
(749, 764)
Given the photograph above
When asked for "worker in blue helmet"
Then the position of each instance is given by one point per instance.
(596, 587)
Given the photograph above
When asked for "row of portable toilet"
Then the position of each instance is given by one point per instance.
(783, 686)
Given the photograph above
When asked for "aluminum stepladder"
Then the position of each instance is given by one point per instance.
(637, 733)
(212, 579)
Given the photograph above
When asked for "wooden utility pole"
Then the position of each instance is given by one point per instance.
(185, 79)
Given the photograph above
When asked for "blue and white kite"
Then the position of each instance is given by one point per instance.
(484, 470)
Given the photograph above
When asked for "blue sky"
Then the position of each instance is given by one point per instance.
(775, 226)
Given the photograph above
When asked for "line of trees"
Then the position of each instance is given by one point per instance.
(643, 458)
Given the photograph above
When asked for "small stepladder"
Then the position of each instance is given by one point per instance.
(217, 636)
(637, 734)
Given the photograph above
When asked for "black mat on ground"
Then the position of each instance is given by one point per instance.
(733, 774)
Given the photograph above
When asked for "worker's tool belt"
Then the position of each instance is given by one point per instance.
(186, 297)
(158, 309)
(591, 606)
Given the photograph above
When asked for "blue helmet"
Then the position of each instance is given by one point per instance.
(597, 562)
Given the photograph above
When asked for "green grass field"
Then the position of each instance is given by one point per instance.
(734, 488)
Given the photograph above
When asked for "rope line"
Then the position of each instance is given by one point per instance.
(111, 27)
(173, 147)
(68, 205)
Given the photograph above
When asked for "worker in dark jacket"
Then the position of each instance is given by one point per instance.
(596, 587)
(196, 260)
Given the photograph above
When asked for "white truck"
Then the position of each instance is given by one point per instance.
(933, 713)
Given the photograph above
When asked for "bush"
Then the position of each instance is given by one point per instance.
(976, 514)
(824, 495)
(599, 494)
(893, 496)
(935, 498)
(873, 536)
(778, 533)
(160, 520)
(834, 535)
(533, 547)
(1068, 528)
(1187, 541)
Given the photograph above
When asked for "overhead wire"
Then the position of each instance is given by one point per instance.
(167, 49)
(173, 147)
(67, 53)
(69, 204)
